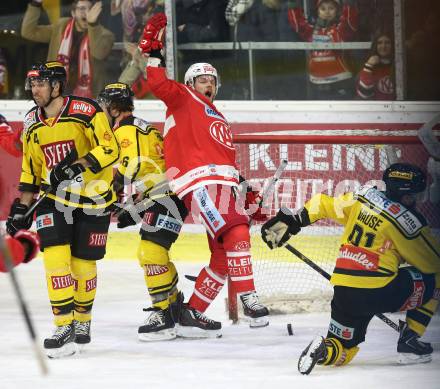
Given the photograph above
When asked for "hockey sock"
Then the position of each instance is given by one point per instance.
(84, 275)
(59, 282)
(208, 285)
(419, 318)
(236, 242)
(160, 274)
(336, 353)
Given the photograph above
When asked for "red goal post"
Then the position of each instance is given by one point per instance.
(329, 160)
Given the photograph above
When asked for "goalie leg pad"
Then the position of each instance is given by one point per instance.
(85, 282)
(160, 274)
(59, 283)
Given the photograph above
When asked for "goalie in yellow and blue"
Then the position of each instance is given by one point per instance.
(389, 261)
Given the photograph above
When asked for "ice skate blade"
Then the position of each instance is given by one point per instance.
(67, 350)
(259, 322)
(167, 334)
(197, 333)
(306, 361)
(412, 359)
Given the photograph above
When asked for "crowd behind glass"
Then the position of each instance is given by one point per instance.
(114, 28)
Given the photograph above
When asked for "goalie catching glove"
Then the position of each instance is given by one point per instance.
(152, 35)
(278, 230)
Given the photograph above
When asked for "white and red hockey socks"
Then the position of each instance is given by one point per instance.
(208, 285)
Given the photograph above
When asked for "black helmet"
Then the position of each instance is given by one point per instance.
(403, 178)
(51, 71)
(119, 95)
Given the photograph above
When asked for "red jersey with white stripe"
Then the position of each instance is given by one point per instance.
(326, 66)
(376, 82)
(198, 144)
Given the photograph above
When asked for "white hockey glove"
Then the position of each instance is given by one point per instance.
(278, 230)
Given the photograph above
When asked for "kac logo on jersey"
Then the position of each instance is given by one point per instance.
(221, 132)
(82, 108)
(55, 152)
(44, 221)
(341, 331)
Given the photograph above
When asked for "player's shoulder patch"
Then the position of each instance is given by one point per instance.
(407, 221)
(30, 118)
(144, 126)
(82, 107)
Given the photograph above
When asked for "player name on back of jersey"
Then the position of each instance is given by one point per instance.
(406, 221)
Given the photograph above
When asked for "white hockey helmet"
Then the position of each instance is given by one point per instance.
(200, 69)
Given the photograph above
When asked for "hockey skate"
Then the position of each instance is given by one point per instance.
(61, 343)
(194, 324)
(411, 350)
(82, 333)
(252, 308)
(159, 325)
(315, 352)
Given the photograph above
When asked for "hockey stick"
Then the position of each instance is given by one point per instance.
(321, 271)
(232, 296)
(71, 157)
(265, 191)
(24, 310)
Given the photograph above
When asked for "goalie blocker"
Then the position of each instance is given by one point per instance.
(382, 230)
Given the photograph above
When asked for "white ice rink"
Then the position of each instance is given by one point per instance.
(243, 358)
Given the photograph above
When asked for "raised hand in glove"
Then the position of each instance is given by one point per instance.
(152, 34)
(65, 171)
(16, 220)
(278, 230)
(254, 200)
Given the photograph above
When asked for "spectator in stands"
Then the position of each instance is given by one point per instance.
(4, 85)
(80, 43)
(330, 77)
(134, 15)
(376, 79)
(201, 21)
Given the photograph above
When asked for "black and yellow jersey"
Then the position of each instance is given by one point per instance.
(379, 235)
(82, 125)
(141, 158)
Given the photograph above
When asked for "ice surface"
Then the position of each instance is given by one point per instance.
(244, 358)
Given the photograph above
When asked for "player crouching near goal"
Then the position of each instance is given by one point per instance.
(141, 162)
(198, 146)
(382, 230)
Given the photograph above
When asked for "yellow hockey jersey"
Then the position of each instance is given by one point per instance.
(379, 235)
(82, 125)
(141, 158)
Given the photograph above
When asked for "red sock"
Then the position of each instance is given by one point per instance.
(208, 285)
(236, 242)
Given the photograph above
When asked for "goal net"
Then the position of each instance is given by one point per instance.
(331, 165)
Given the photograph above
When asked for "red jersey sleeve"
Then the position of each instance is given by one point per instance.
(17, 253)
(299, 23)
(172, 93)
(348, 23)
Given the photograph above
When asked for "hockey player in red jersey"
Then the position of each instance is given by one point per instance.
(9, 140)
(201, 156)
(23, 247)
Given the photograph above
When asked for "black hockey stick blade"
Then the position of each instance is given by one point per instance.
(190, 277)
